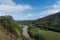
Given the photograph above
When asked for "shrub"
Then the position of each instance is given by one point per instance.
(33, 32)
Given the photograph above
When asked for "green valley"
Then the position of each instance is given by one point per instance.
(47, 28)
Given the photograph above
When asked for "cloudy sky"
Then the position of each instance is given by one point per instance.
(29, 9)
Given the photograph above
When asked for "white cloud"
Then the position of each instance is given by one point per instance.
(29, 14)
(8, 6)
(7, 2)
(52, 10)
(19, 8)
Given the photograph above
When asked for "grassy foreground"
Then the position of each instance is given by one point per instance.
(50, 35)
(43, 34)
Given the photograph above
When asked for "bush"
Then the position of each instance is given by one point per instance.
(33, 32)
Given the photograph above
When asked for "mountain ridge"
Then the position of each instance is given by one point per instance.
(51, 22)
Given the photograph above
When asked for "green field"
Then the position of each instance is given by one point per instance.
(46, 34)
(50, 35)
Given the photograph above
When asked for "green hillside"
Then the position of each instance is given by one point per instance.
(51, 22)
(11, 27)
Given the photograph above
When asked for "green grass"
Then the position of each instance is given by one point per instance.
(33, 32)
(46, 34)
(50, 35)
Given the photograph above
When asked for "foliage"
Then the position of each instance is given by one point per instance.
(10, 25)
(33, 31)
(49, 22)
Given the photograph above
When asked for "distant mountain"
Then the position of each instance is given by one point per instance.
(25, 22)
(51, 22)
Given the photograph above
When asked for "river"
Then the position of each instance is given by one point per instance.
(25, 32)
